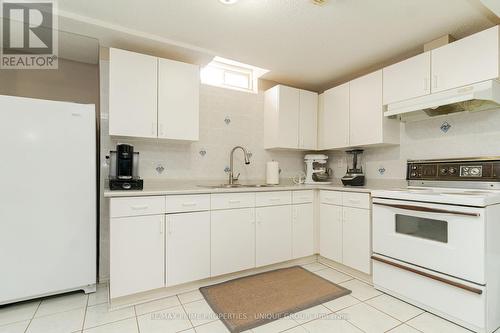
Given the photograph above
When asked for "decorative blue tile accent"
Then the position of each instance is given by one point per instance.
(227, 120)
(227, 169)
(381, 170)
(203, 152)
(445, 127)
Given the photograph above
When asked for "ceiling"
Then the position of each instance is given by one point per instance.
(302, 44)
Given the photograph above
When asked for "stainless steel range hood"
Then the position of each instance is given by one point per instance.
(480, 96)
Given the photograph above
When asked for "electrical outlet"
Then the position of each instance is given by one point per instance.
(340, 163)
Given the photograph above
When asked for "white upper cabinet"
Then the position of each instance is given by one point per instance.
(407, 79)
(308, 119)
(333, 118)
(178, 100)
(132, 94)
(150, 97)
(367, 124)
(469, 60)
(290, 117)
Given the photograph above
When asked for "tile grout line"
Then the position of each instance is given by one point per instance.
(185, 312)
(34, 313)
(85, 313)
(137, 320)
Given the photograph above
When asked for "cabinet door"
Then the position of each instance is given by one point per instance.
(333, 119)
(136, 254)
(356, 242)
(188, 247)
(288, 106)
(407, 79)
(330, 241)
(469, 60)
(302, 230)
(366, 113)
(132, 94)
(178, 100)
(308, 119)
(273, 234)
(232, 240)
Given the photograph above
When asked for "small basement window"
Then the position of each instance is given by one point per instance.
(231, 74)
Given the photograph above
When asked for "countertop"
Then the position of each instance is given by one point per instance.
(169, 187)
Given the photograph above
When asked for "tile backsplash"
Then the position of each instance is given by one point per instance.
(466, 134)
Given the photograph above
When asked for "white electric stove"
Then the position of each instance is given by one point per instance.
(436, 243)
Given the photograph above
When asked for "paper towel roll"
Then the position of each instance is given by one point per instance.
(272, 173)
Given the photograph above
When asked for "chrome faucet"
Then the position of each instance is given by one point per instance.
(232, 177)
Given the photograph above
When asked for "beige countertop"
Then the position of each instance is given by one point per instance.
(169, 187)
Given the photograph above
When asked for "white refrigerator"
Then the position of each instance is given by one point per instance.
(47, 198)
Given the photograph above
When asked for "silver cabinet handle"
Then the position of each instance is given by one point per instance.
(426, 209)
(139, 207)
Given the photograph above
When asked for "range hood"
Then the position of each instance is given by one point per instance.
(480, 96)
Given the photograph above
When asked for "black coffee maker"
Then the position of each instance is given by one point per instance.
(124, 169)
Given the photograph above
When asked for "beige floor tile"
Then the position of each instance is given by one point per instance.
(62, 303)
(276, 326)
(100, 296)
(18, 312)
(333, 275)
(369, 319)
(165, 321)
(361, 290)
(403, 329)
(213, 327)
(200, 312)
(298, 329)
(122, 326)
(429, 323)
(330, 323)
(160, 304)
(18, 327)
(315, 266)
(341, 303)
(100, 314)
(191, 296)
(310, 314)
(62, 322)
(395, 307)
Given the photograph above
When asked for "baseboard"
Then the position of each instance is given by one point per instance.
(152, 295)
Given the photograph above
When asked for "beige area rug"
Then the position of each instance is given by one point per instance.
(252, 301)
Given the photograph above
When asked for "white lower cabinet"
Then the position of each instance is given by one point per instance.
(187, 247)
(345, 231)
(232, 240)
(273, 234)
(356, 240)
(302, 230)
(137, 254)
(330, 224)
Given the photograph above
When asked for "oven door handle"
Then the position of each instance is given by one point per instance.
(430, 276)
(427, 209)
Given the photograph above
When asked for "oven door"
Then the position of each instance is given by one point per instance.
(444, 238)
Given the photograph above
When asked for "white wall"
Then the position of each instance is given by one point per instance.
(470, 135)
(183, 161)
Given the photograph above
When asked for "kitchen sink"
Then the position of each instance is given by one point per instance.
(236, 186)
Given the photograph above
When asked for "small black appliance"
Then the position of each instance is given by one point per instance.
(354, 175)
(124, 169)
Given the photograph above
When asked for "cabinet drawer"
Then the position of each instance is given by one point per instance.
(136, 206)
(187, 203)
(356, 200)
(232, 200)
(331, 197)
(299, 197)
(273, 198)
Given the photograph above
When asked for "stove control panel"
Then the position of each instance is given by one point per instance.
(455, 170)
